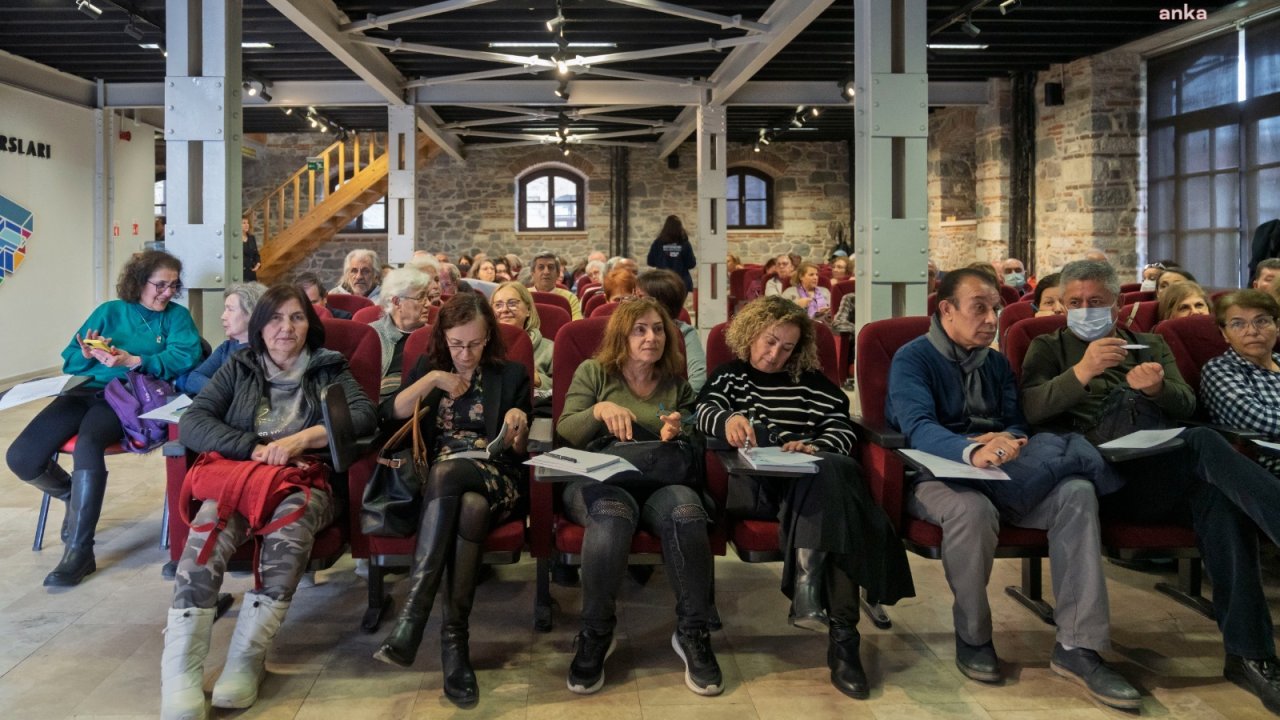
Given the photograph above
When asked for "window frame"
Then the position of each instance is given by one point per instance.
(551, 173)
(740, 174)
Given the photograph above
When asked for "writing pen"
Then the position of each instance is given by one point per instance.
(562, 458)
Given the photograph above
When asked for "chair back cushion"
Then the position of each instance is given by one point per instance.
(1141, 317)
(592, 303)
(839, 290)
(877, 344)
(1009, 295)
(550, 298)
(550, 319)
(360, 345)
(1136, 296)
(1019, 336)
(519, 349)
(1194, 341)
(575, 344)
(1012, 314)
(350, 303)
(367, 315)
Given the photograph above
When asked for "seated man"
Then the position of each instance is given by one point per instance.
(546, 271)
(1265, 276)
(954, 397)
(1071, 375)
(1015, 275)
(310, 285)
(360, 275)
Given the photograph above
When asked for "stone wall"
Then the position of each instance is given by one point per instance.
(993, 147)
(1088, 184)
(952, 186)
(279, 156)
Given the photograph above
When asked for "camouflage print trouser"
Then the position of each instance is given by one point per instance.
(284, 552)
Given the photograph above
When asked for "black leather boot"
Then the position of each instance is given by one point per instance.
(87, 490)
(435, 533)
(806, 596)
(455, 656)
(844, 642)
(54, 480)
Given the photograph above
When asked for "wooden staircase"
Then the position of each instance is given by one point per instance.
(299, 215)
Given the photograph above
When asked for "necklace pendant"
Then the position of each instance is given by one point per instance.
(159, 340)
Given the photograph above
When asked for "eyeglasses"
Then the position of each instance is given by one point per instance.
(175, 286)
(420, 297)
(473, 346)
(1262, 323)
(1158, 266)
(507, 305)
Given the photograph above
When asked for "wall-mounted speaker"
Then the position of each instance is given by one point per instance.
(1053, 94)
(673, 161)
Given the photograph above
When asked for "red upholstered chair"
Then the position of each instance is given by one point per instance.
(1009, 295)
(1126, 541)
(505, 542)
(551, 534)
(550, 298)
(1136, 296)
(69, 447)
(585, 288)
(433, 312)
(367, 315)
(1012, 314)
(1194, 341)
(1217, 294)
(322, 312)
(592, 303)
(931, 303)
(1140, 317)
(883, 468)
(550, 319)
(350, 303)
(1028, 297)
(363, 350)
(752, 283)
(1130, 287)
(603, 310)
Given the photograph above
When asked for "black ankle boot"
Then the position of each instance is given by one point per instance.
(844, 643)
(806, 595)
(85, 505)
(460, 684)
(435, 533)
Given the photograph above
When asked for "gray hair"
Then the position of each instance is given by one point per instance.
(451, 270)
(249, 293)
(365, 253)
(596, 264)
(1093, 270)
(425, 262)
(402, 282)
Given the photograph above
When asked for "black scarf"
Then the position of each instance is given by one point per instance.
(982, 416)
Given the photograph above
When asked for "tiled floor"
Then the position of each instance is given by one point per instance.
(93, 651)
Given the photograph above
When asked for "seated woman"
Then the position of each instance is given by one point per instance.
(467, 391)
(669, 290)
(513, 305)
(142, 330)
(236, 309)
(1169, 276)
(1049, 296)
(834, 537)
(808, 294)
(618, 284)
(263, 406)
(841, 269)
(1241, 387)
(632, 387)
(1182, 299)
(483, 270)
(405, 298)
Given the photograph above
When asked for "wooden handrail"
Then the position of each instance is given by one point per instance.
(292, 199)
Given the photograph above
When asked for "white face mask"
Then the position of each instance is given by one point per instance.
(1148, 286)
(1089, 324)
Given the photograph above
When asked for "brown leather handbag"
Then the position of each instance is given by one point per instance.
(392, 501)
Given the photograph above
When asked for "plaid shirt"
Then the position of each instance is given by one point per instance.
(1240, 394)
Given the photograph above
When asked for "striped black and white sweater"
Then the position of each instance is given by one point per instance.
(812, 408)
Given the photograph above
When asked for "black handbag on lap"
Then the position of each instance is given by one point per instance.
(674, 462)
(392, 501)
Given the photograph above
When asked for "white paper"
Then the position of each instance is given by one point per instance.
(169, 412)
(776, 460)
(496, 447)
(1142, 439)
(597, 466)
(1268, 445)
(945, 469)
(33, 390)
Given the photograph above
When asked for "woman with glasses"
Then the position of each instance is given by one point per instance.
(405, 298)
(513, 305)
(632, 389)
(467, 391)
(833, 536)
(143, 331)
(1241, 387)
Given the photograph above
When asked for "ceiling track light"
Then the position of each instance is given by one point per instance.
(266, 96)
(1009, 6)
(132, 30)
(249, 88)
(848, 89)
(88, 8)
(969, 28)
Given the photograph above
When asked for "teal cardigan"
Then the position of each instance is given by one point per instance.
(167, 341)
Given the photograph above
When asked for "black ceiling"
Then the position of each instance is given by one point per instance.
(1031, 37)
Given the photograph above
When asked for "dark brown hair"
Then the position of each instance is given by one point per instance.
(135, 273)
(614, 350)
(271, 300)
(666, 287)
(461, 309)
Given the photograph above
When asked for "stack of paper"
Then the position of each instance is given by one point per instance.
(944, 469)
(776, 460)
(33, 390)
(597, 466)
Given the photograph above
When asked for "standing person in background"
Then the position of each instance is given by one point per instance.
(252, 258)
(672, 251)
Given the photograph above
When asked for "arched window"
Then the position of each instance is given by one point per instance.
(551, 199)
(749, 199)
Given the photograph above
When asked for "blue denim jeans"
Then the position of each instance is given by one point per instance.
(611, 515)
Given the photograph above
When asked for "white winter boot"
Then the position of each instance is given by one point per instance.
(186, 643)
(260, 619)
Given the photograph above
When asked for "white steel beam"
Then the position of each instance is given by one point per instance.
(382, 21)
(712, 240)
(724, 21)
(642, 77)
(398, 45)
(33, 77)
(402, 195)
(472, 76)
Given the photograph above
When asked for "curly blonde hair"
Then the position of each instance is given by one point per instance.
(767, 312)
(614, 350)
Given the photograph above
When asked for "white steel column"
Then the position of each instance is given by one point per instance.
(711, 244)
(891, 238)
(402, 160)
(202, 131)
(103, 140)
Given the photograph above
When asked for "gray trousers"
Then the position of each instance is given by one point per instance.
(970, 524)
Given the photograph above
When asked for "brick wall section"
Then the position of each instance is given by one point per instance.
(952, 186)
(1088, 186)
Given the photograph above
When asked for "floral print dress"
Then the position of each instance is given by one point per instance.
(460, 426)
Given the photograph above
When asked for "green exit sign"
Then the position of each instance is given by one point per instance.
(314, 163)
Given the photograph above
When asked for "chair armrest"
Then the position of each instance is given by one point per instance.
(540, 435)
(880, 434)
(1233, 435)
(174, 449)
(338, 427)
(715, 444)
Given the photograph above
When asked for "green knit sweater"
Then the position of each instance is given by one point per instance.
(591, 384)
